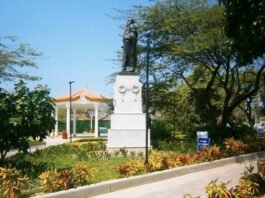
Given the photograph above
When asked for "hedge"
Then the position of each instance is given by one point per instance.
(84, 125)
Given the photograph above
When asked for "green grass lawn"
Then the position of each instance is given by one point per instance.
(105, 170)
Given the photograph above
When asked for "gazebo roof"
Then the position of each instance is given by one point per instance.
(81, 93)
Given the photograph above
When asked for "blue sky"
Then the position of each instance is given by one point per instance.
(76, 37)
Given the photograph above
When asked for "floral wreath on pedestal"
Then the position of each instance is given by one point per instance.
(135, 90)
(122, 89)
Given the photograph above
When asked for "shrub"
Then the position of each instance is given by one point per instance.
(259, 143)
(54, 180)
(182, 146)
(211, 153)
(261, 167)
(250, 183)
(170, 160)
(84, 125)
(91, 140)
(123, 169)
(156, 160)
(24, 113)
(82, 155)
(56, 150)
(235, 147)
(183, 159)
(131, 168)
(27, 166)
(148, 166)
(134, 167)
(246, 188)
(197, 156)
(65, 179)
(96, 146)
(49, 181)
(163, 145)
(161, 130)
(214, 190)
(123, 152)
(12, 182)
(81, 175)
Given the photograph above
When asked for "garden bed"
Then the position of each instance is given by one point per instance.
(55, 168)
(119, 184)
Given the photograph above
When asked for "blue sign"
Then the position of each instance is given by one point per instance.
(260, 132)
(202, 139)
(103, 130)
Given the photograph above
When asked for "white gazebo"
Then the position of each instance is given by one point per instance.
(81, 99)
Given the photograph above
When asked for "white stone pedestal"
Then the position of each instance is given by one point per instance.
(128, 120)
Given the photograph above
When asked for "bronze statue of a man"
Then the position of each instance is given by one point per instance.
(129, 47)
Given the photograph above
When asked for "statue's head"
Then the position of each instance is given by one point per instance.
(130, 21)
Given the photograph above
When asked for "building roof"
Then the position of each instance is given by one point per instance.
(81, 93)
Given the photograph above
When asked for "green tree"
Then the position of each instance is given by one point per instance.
(188, 45)
(13, 57)
(24, 114)
(245, 26)
(173, 103)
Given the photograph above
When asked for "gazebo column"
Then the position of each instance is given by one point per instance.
(68, 120)
(96, 119)
(74, 123)
(56, 121)
(91, 124)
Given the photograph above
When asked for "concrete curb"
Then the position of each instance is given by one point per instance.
(37, 144)
(119, 184)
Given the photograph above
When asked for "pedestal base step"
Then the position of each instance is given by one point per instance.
(129, 150)
(129, 138)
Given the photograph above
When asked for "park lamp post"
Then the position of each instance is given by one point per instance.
(70, 84)
(147, 98)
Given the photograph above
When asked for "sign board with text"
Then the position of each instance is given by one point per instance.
(260, 132)
(202, 139)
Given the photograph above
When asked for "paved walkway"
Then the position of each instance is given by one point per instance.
(192, 184)
(51, 141)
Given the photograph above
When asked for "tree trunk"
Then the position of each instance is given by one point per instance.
(221, 122)
(2, 157)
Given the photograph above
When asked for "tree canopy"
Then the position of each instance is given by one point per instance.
(245, 26)
(189, 47)
(24, 113)
(15, 56)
